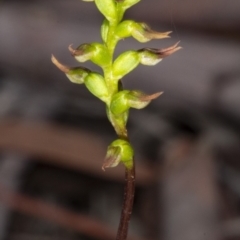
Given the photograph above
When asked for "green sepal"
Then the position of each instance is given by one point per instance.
(96, 52)
(138, 100)
(148, 57)
(124, 29)
(118, 122)
(140, 31)
(82, 53)
(119, 103)
(108, 9)
(101, 55)
(125, 63)
(127, 152)
(130, 28)
(104, 30)
(77, 75)
(95, 83)
(119, 151)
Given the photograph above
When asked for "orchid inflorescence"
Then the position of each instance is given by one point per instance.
(107, 86)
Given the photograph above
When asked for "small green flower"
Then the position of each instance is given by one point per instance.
(152, 56)
(124, 100)
(96, 52)
(75, 75)
(119, 151)
(139, 31)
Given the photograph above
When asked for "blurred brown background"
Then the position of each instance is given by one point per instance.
(54, 134)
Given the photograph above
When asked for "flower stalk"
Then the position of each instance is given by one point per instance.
(108, 88)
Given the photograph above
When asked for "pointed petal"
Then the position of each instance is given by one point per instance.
(169, 51)
(74, 52)
(150, 97)
(62, 67)
(112, 158)
(151, 34)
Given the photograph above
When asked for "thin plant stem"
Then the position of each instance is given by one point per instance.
(129, 190)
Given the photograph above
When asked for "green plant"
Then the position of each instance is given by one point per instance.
(108, 88)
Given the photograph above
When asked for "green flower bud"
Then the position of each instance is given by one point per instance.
(123, 100)
(108, 9)
(96, 84)
(96, 52)
(152, 56)
(75, 75)
(125, 63)
(119, 151)
(104, 30)
(139, 31)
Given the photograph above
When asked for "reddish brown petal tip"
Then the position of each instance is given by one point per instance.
(158, 35)
(108, 162)
(74, 52)
(62, 67)
(169, 51)
(151, 97)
